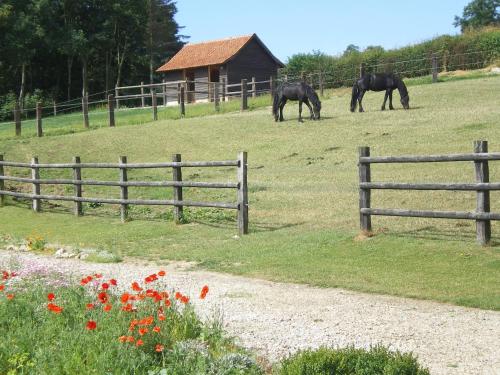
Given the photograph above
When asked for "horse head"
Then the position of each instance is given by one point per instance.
(405, 101)
(313, 97)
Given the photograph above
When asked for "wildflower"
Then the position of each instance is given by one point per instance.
(107, 307)
(98, 275)
(105, 286)
(156, 329)
(128, 307)
(122, 338)
(113, 282)
(51, 296)
(89, 306)
(204, 292)
(185, 300)
(142, 331)
(161, 317)
(136, 287)
(162, 273)
(10, 297)
(178, 295)
(159, 348)
(130, 339)
(168, 303)
(91, 325)
(54, 308)
(139, 342)
(103, 297)
(2, 287)
(125, 297)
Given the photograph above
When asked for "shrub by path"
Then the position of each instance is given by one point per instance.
(276, 318)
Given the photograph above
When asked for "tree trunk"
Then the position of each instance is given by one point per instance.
(70, 66)
(84, 77)
(150, 16)
(23, 84)
(107, 74)
(120, 58)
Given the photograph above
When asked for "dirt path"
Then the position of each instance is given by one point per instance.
(276, 319)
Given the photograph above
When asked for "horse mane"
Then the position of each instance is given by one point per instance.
(403, 91)
(311, 94)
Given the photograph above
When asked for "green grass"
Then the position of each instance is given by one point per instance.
(303, 194)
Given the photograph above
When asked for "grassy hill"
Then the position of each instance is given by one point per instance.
(303, 194)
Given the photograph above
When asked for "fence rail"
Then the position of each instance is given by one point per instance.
(482, 215)
(124, 201)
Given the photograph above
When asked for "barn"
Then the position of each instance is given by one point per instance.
(226, 60)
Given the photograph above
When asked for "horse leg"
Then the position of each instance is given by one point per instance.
(390, 100)
(300, 110)
(385, 99)
(282, 105)
(360, 99)
(310, 108)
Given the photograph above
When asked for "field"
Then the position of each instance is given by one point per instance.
(303, 194)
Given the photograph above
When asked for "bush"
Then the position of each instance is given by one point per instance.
(351, 361)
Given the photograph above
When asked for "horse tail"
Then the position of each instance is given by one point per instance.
(276, 102)
(355, 95)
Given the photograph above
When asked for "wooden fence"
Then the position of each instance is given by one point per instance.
(482, 215)
(124, 201)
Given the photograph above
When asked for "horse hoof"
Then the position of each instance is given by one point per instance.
(382, 109)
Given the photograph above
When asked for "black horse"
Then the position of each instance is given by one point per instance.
(296, 91)
(379, 82)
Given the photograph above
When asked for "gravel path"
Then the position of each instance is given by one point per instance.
(276, 319)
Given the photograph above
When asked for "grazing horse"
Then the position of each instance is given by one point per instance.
(296, 91)
(379, 82)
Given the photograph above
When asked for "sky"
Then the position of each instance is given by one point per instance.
(290, 27)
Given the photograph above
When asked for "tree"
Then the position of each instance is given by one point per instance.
(351, 48)
(479, 13)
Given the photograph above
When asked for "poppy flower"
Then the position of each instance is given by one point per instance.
(2, 287)
(168, 303)
(125, 297)
(122, 338)
(204, 292)
(161, 273)
(161, 317)
(159, 348)
(107, 307)
(136, 287)
(156, 329)
(91, 325)
(130, 339)
(142, 331)
(185, 299)
(139, 342)
(103, 297)
(128, 307)
(51, 296)
(54, 308)
(113, 282)
(10, 297)
(97, 275)
(89, 306)
(105, 286)
(178, 295)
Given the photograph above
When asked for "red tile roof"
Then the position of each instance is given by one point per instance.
(214, 52)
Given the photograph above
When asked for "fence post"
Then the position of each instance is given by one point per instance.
(179, 87)
(164, 91)
(183, 104)
(116, 96)
(35, 175)
(254, 88)
(77, 176)
(242, 193)
(223, 89)
(55, 108)
(85, 108)
(434, 68)
(362, 70)
(244, 94)
(143, 99)
(216, 97)
(111, 110)
(177, 177)
(17, 118)
(39, 129)
(154, 104)
(124, 189)
(483, 227)
(2, 184)
(364, 194)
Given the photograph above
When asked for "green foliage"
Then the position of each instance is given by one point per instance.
(479, 13)
(351, 361)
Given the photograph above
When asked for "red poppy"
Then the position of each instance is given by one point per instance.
(105, 286)
(103, 297)
(185, 299)
(130, 339)
(204, 292)
(161, 317)
(139, 342)
(89, 306)
(125, 297)
(10, 296)
(156, 329)
(51, 296)
(136, 287)
(122, 338)
(178, 295)
(162, 273)
(113, 282)
(128, 307)
(54, 308)
(2, 287)
(142, 331)
(91, 325)
(168, 303)
(107, 307)
(159, 348)
(97, 275)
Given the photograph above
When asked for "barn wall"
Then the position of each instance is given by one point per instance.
(251, 61)
(201, 78)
